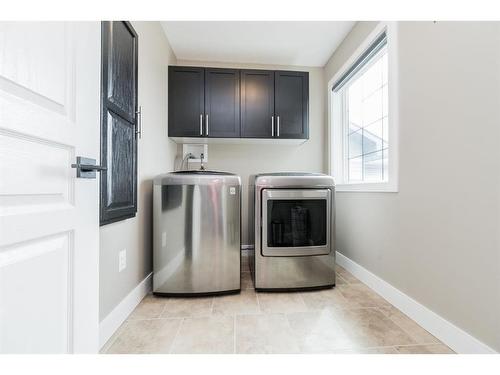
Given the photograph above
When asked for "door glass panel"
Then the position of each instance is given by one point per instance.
(296, 222)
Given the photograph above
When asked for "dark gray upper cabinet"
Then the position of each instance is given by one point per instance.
(291, 104)
(186, 101)
(222, 103)
(118, 184)
(257, 103)
(233, 103)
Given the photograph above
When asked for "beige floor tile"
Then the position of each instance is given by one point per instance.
(246, 280)
(146, 336)
(150, 307)
(350, 318)
(383, 350)
(369, 328)
(245, 264)
(207, 335)
(339, 280)
(347, 276)
(319, 332)
(245, 267)
(281, 302)
(244, 259)
(360, 295)
(243, 303)
(265, 333)
(319, 299)
(425, 349)
(187, 307)
(112, 339)
(420, 335)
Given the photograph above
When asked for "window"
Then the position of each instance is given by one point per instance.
(360, 115)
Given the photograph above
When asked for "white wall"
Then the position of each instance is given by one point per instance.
(245, 160)
(438, 238)
(156, 155)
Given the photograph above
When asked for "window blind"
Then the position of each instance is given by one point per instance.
(376, 46)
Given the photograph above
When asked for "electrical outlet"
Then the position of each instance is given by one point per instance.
(122, 260)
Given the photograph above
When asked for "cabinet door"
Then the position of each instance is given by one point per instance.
(292, 104)
(118, 122)
(222, 103)
(257, 103)
(186, 101)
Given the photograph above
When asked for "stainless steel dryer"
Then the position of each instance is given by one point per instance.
(294, 230)
(196, 233)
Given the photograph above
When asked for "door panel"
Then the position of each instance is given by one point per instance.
(257, 103)
(33, 62)
(44, 304)
(120, 186)
(48, 218)
(119, 122)
(222, 102)
(292, 103)
(24, 184)
(122, 63)
(186, 101)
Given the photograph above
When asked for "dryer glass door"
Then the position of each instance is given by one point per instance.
(295, 222)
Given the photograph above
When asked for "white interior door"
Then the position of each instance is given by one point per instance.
(49, 229)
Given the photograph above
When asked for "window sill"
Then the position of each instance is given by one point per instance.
(384, 187)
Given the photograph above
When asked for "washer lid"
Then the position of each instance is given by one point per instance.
(197, 177)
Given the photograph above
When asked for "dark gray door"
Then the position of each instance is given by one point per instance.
(257, 103)
(118, 193)
(222, 103)
(186, 101)
(291, 104)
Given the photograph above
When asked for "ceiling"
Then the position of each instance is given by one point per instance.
(298, 43)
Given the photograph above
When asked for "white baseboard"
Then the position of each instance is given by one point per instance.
(456, 338)
(115, 318)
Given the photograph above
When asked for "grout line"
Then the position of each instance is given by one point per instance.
(169, 318)
(292, 334)
(175, 336)
(409, 345)
(164, 308)
(344, 280)
(258, 303)
(408, 333)
(303, 302)
(212, 306)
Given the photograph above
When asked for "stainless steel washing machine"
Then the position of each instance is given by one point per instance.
(196, 233)
(293, 232)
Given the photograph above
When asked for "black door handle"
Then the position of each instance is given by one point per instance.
(86, 167)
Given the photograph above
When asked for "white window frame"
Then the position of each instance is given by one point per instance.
(336, 144)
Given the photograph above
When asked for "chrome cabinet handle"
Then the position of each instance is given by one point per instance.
(272, 126)
(201, 124)
(278, 126)
(86, 167)
(138, 131)
(206, 125)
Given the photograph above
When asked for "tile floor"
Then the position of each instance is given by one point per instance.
(349, 318)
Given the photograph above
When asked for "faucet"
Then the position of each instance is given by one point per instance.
(202, 156)
(187, 157)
